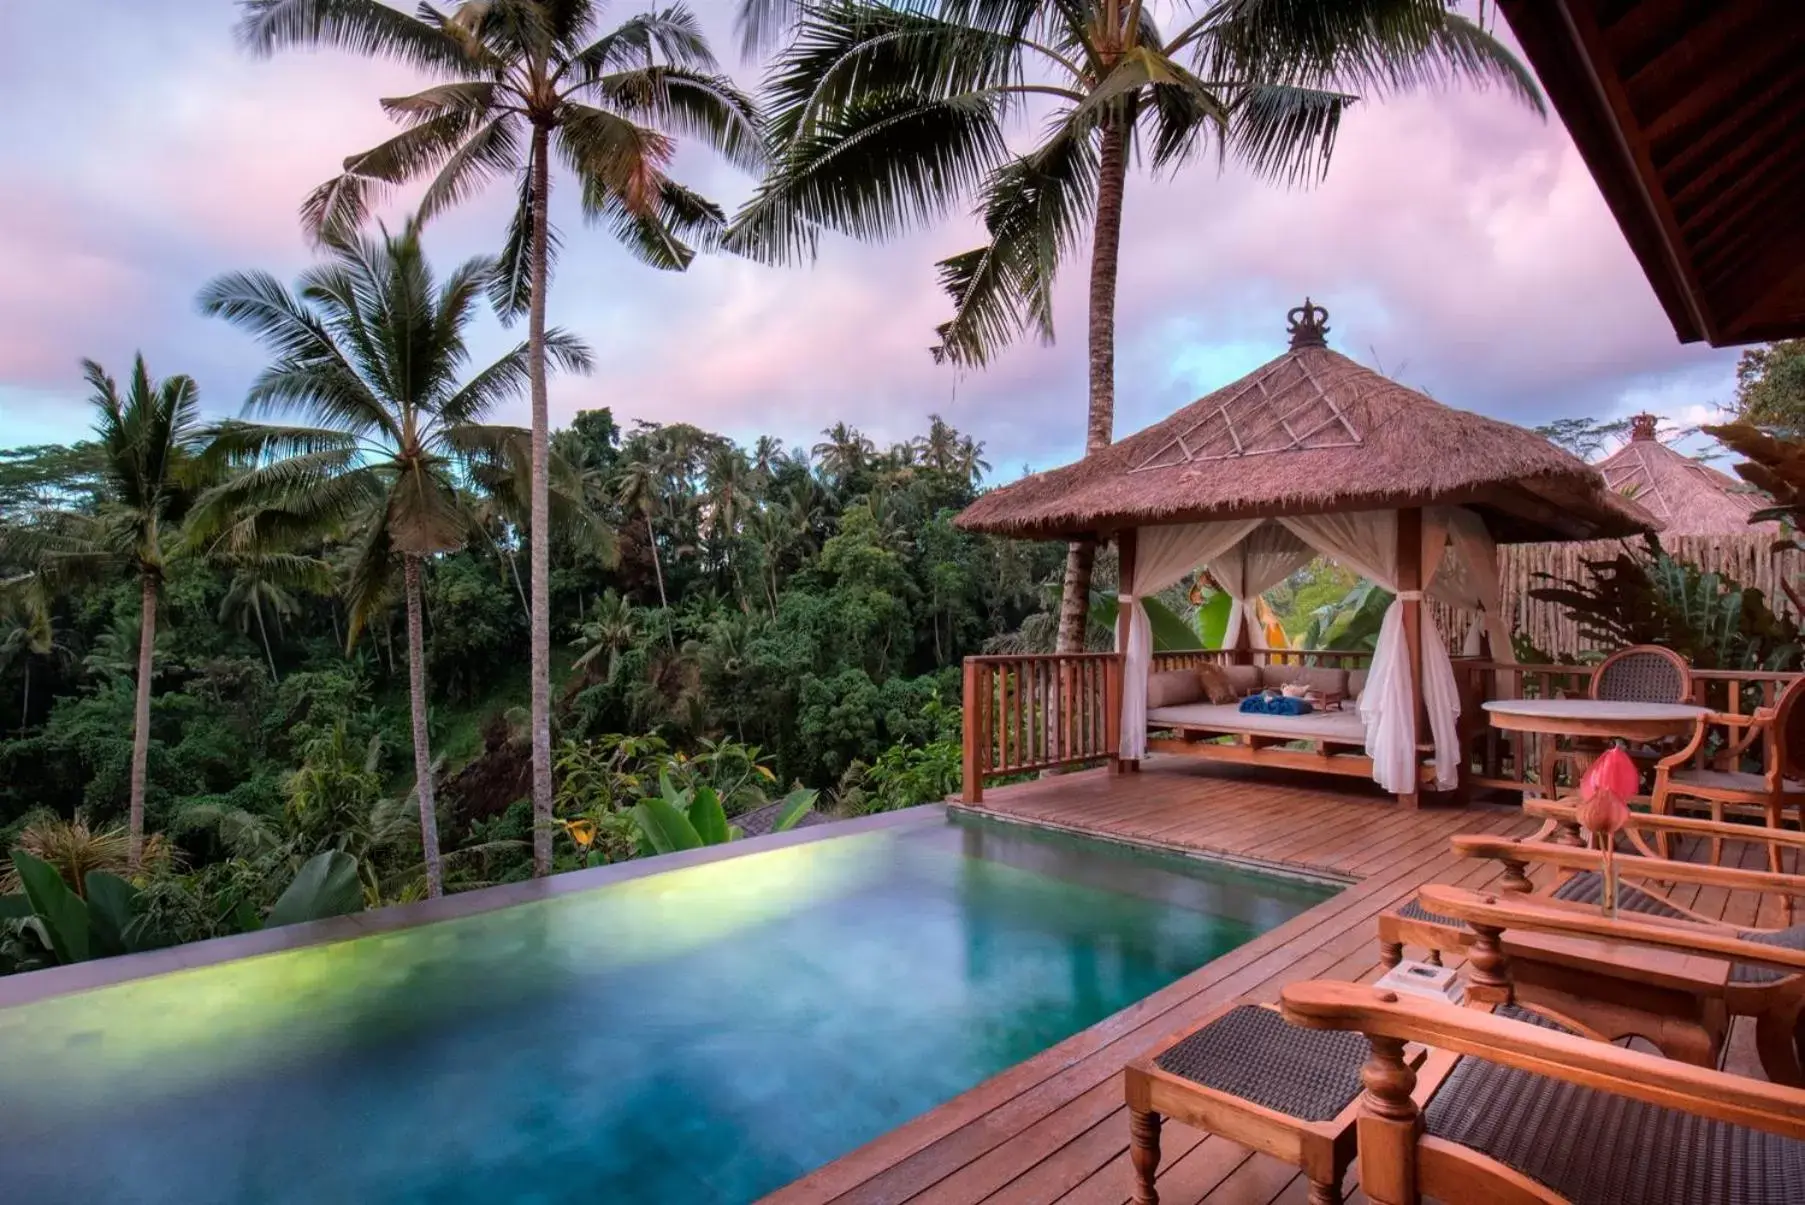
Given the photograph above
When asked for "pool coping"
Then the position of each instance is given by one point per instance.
(1284, 870)
(51, 982)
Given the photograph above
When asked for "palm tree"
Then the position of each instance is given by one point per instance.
(843, 451)
(370, 351)
(612, 629)
(148, 468)
(26, 630)
(642, 489)
(609, 105)
(253, 594)
(886, 117)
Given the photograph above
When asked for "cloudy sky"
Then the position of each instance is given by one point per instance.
(1458, 242)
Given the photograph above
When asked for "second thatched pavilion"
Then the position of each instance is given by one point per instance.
(1313, 453)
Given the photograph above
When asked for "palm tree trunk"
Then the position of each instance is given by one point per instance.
(540, 524)
(262, 631)
(664, 604)
(1081, 555)
(147, 638)
(416, 681)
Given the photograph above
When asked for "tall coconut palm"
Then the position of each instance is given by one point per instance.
(522, 81)
(370, 357)
(148, 439)
(843, 451)
(888, 116)
(26, 630)
(641, 489)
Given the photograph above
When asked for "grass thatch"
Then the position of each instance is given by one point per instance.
(1314, 432)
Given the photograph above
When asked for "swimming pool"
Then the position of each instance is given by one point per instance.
(705, 1034)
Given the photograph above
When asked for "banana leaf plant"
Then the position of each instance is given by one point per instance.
(693, 817)
(55, 927)
(1172, 632)
(1351, 623)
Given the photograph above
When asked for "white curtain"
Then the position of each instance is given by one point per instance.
(1477, 578)
(1162, 556)
(1258, 563)
(1367, 543)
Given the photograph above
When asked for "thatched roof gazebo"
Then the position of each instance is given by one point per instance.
(1313, 453)
(1689, 498)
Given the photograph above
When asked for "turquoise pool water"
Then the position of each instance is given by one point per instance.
(699, 1036)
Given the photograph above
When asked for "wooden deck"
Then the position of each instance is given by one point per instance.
(1054, 1129)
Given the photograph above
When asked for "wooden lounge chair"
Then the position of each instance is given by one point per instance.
(1726, 788)
(1642, 673)
(1510, 1109)
(1248, 1076)
(1683, 1004)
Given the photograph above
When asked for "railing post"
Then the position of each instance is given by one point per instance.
(1112, 709)
(971, 727)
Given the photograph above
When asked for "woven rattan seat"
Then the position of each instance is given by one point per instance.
(1601, 1149)
(1252, 1053)
(1786, 939)
(1587, 887)
(1412, 909)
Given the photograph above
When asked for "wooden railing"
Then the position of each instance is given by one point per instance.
(1038, 712)
(1509, 760)
(1026, 714)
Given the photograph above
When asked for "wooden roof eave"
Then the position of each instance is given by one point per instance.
(1523, 512)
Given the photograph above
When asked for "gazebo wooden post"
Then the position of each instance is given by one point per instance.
(1125, 542)
(1410, 581)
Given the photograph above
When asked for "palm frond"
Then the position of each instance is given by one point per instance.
(1286, 133)
(672, 33)
(611, 153)
(492, 150)
(1035, 211)
(365, 27)
(691, 104)
(669, 235)
(510, 291)
(1374, 46)
(342, 204)
(880, 166)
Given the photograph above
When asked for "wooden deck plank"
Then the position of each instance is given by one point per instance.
(1053, 1129)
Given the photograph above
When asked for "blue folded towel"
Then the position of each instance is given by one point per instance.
(1276, 705)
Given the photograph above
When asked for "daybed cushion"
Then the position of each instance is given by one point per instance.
(1356, 682)
(1244, 678)
(1340, 727)
(1173, 687)
(1315, 677)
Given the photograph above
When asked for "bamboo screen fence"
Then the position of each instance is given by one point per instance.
(1747, 558)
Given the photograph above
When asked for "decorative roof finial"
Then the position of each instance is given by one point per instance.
(1642, 426)
(1308, 325)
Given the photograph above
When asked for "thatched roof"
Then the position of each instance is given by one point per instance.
(1308, 433)
(1690, 499)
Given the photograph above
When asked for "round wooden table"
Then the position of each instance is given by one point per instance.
(1599, 719)
(1594, 720)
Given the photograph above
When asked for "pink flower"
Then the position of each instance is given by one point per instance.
(1605, 792)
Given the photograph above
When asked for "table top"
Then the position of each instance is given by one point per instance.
(1595, 718)
(1596, 709)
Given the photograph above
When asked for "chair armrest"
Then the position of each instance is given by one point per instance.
(1504, 849)
(1702, 1092)
(1566, 813)
(1504, 911)
(1756, 720)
